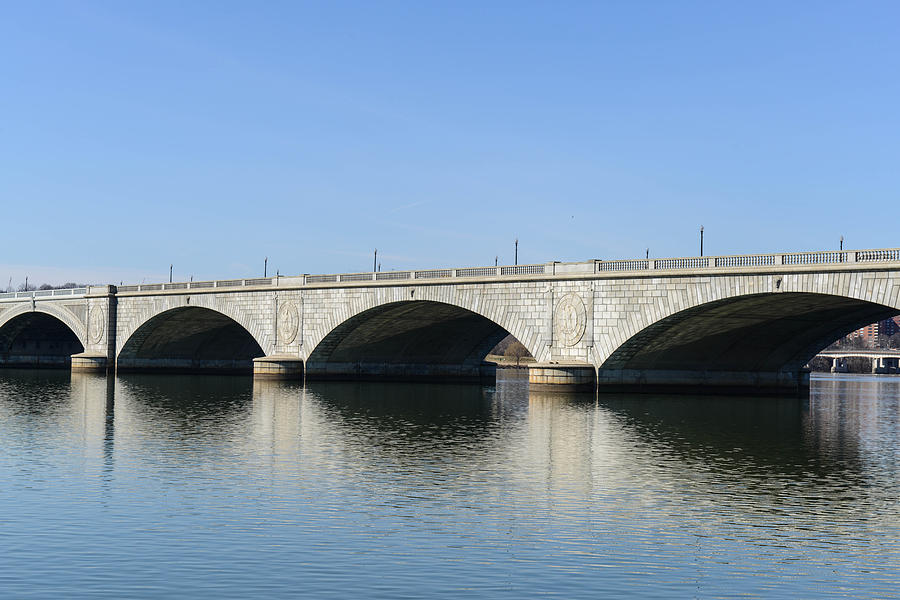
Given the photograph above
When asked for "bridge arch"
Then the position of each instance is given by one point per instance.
(742, 332)
(848, 289)
(752, 333)
(189, 338)
(40, 334)
(134, 312)
(409, 339)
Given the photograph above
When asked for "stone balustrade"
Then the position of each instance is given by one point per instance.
(555, 268)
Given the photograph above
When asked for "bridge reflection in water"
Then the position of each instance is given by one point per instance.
(581, 440)
(354, 481)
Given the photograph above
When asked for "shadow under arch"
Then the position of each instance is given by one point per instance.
(189, 339)
(748, 342)
(37, 339)
(408, 340)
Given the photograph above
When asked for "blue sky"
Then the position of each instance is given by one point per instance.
(210, 135)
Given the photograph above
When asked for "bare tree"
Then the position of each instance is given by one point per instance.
(518, 351)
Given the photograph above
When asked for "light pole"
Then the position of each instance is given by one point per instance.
(701, 240)
(842, 243)
(647, 253)
(170, 273)
(517, 252)
(265, 266)
(375, 261)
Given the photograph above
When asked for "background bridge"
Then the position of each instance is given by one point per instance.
(744, 323)
(883, 361)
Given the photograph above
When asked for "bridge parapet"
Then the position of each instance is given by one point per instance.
(43, 294)
(592, 269)
(554, 268)
(841, 257)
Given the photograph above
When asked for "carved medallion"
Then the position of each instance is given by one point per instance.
(97, 324)
(288, 322)
(569, 320)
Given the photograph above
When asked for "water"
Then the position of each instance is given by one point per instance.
(160, 487)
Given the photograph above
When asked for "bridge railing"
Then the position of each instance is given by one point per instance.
(689, 263)
(43, 293)
(751, 260)
(417, 275)
(196, 285)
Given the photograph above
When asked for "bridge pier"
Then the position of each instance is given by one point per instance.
(562, 377)
(891, 364)
(278, 367)
(90, 362)
(884, 364)
(839, 365)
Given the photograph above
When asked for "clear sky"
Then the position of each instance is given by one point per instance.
(212, 134)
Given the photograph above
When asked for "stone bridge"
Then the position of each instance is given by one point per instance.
(739, 323)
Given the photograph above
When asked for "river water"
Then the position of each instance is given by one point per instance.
(221, 487)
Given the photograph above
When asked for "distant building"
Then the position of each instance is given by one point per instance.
(877, 334)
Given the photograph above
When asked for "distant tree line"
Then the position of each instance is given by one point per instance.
(44, 286)
(855, 364)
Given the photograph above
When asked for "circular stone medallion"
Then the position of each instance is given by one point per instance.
(288, 320)
(569, 320)
(97, 324)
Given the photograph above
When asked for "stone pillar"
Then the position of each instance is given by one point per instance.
(282, 367)
(562, 377)
(100, 345)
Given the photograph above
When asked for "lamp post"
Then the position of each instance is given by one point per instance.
(842, 243)
(375, 261)
(265, 266)
(701, 240)
(170, 273)
(517, 252)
